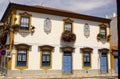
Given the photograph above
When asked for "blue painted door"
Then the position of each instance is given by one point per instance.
(104, 66)
(115, 64)
(67, 67)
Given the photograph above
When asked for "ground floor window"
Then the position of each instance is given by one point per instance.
(21, 57)
(86, 57)
(45, 58)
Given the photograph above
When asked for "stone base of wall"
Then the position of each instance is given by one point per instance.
(33, 72)
(53, 72)
(86, 72)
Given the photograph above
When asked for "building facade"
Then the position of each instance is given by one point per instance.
(47, 41)
(114, 43)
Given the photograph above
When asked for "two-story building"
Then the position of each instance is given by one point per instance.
(114, 43)
(46, 41)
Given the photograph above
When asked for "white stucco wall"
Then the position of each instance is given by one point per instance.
(40, 38)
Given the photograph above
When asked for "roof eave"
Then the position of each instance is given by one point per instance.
(53, 12)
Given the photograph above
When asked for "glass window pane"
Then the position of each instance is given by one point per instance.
(68, 27)
(43, 58)
(24, 58)
(19, 57)
(86, 59)
(22, 51)
(47, 52)
(48, 58)
(103, 32)
(24, 24)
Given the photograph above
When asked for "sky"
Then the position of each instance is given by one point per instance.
(98, 8)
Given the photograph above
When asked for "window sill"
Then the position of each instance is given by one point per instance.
(21, 67)
(102, 38)
(46, 67)
(86, 67)
(99, 38)
(24, 30)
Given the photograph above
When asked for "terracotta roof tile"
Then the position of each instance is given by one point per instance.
(49, 8)
(1, 24)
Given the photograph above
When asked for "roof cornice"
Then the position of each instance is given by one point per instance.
(52, 11)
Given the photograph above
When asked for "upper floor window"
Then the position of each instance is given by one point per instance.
(25, 21)
(103, 32)
(68, 25)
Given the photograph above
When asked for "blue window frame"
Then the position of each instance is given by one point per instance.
(86, 59)
(21, 57)
(24, 22)
(103, 32)
(45, 58)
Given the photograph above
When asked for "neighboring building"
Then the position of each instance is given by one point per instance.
(114, 46)
(46, 41)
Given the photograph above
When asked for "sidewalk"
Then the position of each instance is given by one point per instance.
(62, 77)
